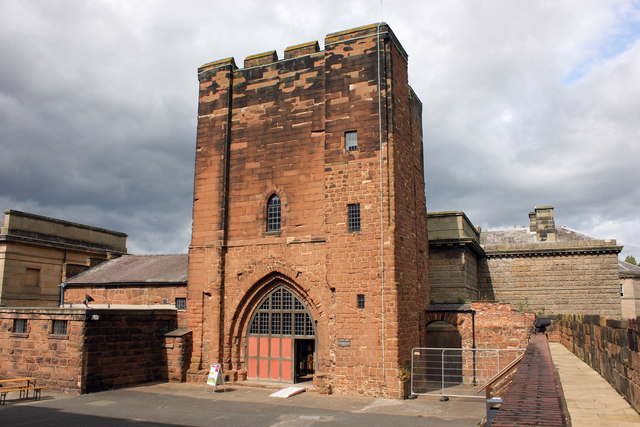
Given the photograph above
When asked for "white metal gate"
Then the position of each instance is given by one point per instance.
(457, 372)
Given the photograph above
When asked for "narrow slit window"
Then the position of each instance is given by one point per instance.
(351, 140)
(274, 213)
(360, 301)
(353, 217)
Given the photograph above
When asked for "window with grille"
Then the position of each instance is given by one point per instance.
(360, 301)
(274, 213)
(353, 217)
(59, 327)
(181, 303)
(351, 140)
(282, 313)
(20, 326)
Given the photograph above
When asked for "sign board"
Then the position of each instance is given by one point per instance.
(214, 374)
(344, 342)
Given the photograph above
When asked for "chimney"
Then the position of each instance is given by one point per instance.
(545, 225)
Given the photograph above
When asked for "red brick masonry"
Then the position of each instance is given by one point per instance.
(534, 397)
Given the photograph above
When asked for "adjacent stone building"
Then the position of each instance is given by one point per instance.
(132, 281)
(37, 253)
(629, 289)
(308, 255)
(543, 268)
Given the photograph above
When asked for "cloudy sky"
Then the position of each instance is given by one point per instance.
(525, 103)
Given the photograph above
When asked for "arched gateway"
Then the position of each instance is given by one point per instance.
(281, 339)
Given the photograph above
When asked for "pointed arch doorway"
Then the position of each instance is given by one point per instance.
(281, 340)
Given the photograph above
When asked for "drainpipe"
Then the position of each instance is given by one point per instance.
(62, 286)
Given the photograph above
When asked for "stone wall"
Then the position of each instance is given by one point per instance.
(453, 273)
(611, 347)
(278, 127)
(55, 360)
(37, 253)
(101, 349)
(484, 326)
(580, 283)
(631, 297)
(178, 345)
(128, 295)
(125, 347)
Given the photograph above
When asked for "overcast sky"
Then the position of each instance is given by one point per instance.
(525, 103)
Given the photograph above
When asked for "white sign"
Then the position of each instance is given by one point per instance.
(214, 374)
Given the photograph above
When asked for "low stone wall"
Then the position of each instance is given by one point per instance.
(125, 347)
(609, 346)
(56, 360)
(99, 349)
(178, 345)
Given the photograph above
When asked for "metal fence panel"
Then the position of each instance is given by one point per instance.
(457, 372)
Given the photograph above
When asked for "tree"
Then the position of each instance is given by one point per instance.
(631, 260)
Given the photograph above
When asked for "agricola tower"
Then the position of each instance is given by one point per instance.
(308, 257)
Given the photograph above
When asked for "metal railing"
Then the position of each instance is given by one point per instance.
(457, 372)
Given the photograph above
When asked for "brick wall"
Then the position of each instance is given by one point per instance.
(557, 283)
(609, 346)
(279, 127)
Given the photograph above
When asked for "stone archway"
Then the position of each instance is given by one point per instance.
(281, 339)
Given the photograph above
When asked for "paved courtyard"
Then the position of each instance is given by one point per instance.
(190, 405)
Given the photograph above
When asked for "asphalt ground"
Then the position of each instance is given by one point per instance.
(187, 404)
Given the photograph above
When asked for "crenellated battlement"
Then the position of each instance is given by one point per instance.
(308, 48)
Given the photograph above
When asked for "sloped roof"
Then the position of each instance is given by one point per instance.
(628, 270)
(515, 236)
(136, 269)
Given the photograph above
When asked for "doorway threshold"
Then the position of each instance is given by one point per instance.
(308, 385)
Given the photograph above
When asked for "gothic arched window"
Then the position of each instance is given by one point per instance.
(274, 213)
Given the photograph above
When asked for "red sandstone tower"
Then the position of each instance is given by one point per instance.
(308, 256)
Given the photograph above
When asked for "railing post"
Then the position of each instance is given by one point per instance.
(442, 372)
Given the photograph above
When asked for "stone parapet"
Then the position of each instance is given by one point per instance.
(610, 346)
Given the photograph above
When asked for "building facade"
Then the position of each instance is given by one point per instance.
(37, 253)
(629, 289)
(543, 268)
(308, 256)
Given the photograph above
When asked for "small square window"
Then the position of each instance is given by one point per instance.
(181, 303)
(351, 140)
(19, 326)
(360, 301)
(59, 327)
(353, 217)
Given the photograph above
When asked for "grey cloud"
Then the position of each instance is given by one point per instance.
(98, 106)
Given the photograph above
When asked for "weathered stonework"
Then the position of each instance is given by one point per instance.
(609, 346)
(101, 349)
(544, 268)
(278, 127)
(37, 253)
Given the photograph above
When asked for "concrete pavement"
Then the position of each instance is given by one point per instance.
(189, 404)
(590, 399)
